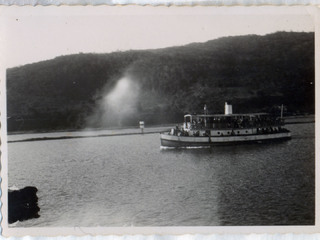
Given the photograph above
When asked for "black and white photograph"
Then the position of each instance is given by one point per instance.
(130, 117)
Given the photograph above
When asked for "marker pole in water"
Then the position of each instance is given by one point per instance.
(141, 123)
(281, 111)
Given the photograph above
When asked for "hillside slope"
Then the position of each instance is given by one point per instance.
(255, 73)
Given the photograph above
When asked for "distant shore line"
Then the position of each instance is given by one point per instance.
(84, 136)
(288, 120)
(130, 131)
(169, 125)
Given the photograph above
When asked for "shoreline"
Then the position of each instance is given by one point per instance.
(86, 134)
(87, 129)
(288, 120)
(72, 137)
(92, 133)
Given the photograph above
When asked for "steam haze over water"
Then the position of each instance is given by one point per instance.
(117, 105)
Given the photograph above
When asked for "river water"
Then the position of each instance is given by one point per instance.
(131, 181)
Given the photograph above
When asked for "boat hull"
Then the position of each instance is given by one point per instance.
(168, 140)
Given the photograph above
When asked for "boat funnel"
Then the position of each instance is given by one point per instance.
(227, 108)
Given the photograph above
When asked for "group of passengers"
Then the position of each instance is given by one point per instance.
(235, 122)
(260, 130)
(179, 131)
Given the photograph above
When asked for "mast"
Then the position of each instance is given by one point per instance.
(205, 113)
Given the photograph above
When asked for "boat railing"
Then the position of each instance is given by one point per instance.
(236, 122)
(207, 132)
(231, 126)
(180, 131)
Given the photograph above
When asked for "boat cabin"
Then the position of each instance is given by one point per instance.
(229, 124)
(230, 121)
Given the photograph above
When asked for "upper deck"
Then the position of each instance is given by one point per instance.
(226, 115)
(231, 121)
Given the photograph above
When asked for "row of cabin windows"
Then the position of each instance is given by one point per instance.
(229, 132)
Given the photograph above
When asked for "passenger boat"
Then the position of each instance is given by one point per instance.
(228, 128)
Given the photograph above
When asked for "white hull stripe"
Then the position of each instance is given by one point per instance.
(225, 139)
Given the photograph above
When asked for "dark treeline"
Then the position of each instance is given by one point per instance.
(255, 73)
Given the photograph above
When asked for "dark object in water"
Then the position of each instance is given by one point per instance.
(22, 204)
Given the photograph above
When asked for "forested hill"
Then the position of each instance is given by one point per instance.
(255, 73)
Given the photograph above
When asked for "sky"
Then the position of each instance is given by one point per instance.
(32, 34)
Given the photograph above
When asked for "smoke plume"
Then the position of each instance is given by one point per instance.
(117, 106)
